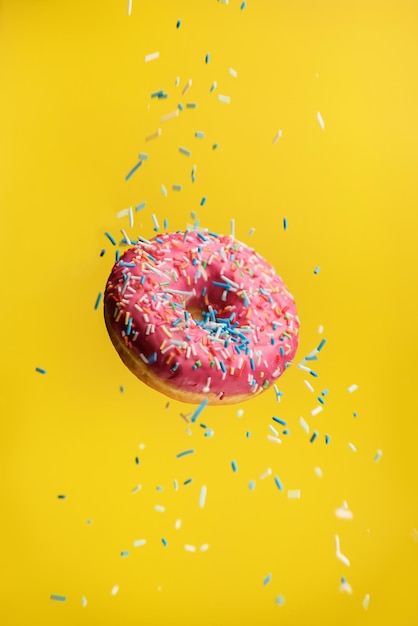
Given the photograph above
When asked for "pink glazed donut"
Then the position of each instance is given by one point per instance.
(200, 317)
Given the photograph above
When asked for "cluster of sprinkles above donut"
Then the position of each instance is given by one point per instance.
(200, 316)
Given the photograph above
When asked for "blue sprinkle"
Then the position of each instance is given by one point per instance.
(165, 542)
(223, 368)
(325, 392)
(117, 255)
(267, 579)
(314, 374)
(198, 410)
(140, 206)
(143, 156)
(57, 598)
(178, 24)
(191, 105)
(184, 151)
(234, 466)
(203, 201)
(278, 483)
(252, 364)
(122, 389)
(316, 270)
(133, 170)
(327, 439)
(137, 460)
(209, 433)
(282, 351)
(251, 485)
(109, 236)
(180, 106)
(177, 187)
(188, 481)
(40, 370)
(248, 434)
(124, 553)
(355, 414)
(61, 496)
(159, 488)
(102, 251)
(321, 345)
(215, 146)
(280, 600)
(207, 58)
(321, 400)
(199, 134)
(180, 454)
(243, 5)
(279, 420)
(314, 436)
(129, 326)
(285, 223)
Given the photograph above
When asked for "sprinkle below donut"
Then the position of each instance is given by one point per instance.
(197, 315)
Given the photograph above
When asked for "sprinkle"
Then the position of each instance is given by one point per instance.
(304, 425)
(124, 553)
(169, 116)
(366, 601)
(293, 494)
(280, 600)
(164, 191)
(280, 421)
(232, 228)
(204, 547)
(159, 508)
(188, 481)
(378, 456)
(164, 541)
(338, 552)
(177, 524)
(190, 548)
(213, 86)
(320, 329)
(180, 454)
(40, 370)
(207, 58)
(243, 5)
(98, 300)
(140, 206)
(155, 222)
(285, 223)
(320, 120)
(83, 601)
(153, 135)
(102, 252)
(187, 87)
(111, 239)
(314, 436)
(345, 586)
(58, 598)
(277, 136)
(240, 412)
(203, 201)
(234, 466)
(343, 512)
(316, 270)
(202, 497)
(352, 388)
(61, 497)
(215, 146)
(177, 187)
(129, 7)
(275, 439)
(321, 345)
(233, 72)
(316, 410)
(327, 439)
(318, 472)
(223, 98)
(184, 151)
(199, 134)
(114, 590)
(267, 579)
(139, 542)
(191, 105)
(152, 56)
(278, 483)
(198, 411)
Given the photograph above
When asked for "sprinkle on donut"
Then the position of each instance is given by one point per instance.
(199, 315)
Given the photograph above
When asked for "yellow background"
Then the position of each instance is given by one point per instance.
(75, 108)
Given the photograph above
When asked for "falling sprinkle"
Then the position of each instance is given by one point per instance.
(58, 598)
(180, 454)
(277, 136)
(153, 135)
(129, 7)
(267, 579)
(169, 116)
(318, 472)
(202, 497)
(251, 485)
(285, 223)
(234, 466)
(223, 98)
(40, 370)
(320, 120)
(178, 24)
(345, 586)
(233, 72)
(155, 222)
(309, 386)
(338, 554)
(199, 134)
(184, 151)
(278, 483)
(98, 300)
(190, 548)
(204, 547)
(122, 389)
(316, 270)
(115, 590)
(139, 542)
(232, 228)
(152, 56)
(316, 410)
(124, 553)
(366, 601)
(266, 473)
(164, 191)
(378, 456)
(352, 388)
(83, 601)
(304, 425)
(280, 600)
(207, 58)
(352, 447)
(293, 494)
(198, 410)
(164, 542)
(243, 5)
(251, 231)
(111, 239)
(159, 508)
(177, 524)
(62, 496)
(140, 206)
(343, 512)
(320, 329)
(187, 87)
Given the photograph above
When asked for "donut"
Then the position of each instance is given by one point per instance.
(200, 317)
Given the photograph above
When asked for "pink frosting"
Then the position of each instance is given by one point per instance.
(204, 311)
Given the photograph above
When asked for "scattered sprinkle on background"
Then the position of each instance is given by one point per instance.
(294, 127)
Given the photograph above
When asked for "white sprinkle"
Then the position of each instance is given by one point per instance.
(152, 56)
(317, 410)
(155, 222)
(232, 228)
(338, 552)
(139, 542)
(275, 439)
(122, 213)
(128, 241)
(320, 329)
(223, 98)
(154, 135)
(343, 512)
(318, 472)
(293, 494)
(190, 548)
(378, 456)
(320, 120)
(129, 7)
(136, 489)
(187, 87)
(164, 191)
(308, 384)
(266, 473)
(160, 508)
(366, 601)
(202, 498)
(352, 447)
(169, 116)
(204, 547)
(115, 589)
(352, 388)
(233, 72)
(240, 412)
(177, 524)
(345, 586)
(277, 136)
(304, 425)
(83, 601)
(131, 217)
